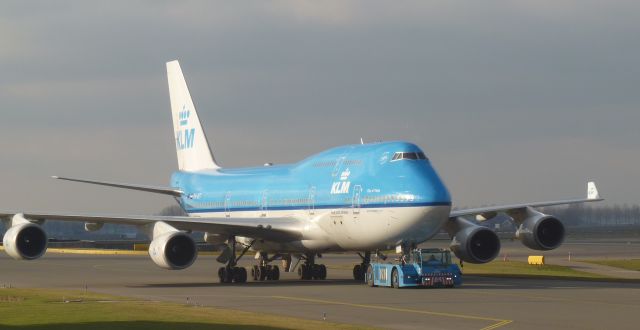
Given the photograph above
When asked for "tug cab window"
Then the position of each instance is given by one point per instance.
(409, 156)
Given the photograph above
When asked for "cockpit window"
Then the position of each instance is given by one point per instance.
(409, 156)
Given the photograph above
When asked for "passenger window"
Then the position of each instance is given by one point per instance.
(421, 155)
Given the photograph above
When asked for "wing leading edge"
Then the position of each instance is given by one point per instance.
(152, 189)
(488, 212)
(278, 229)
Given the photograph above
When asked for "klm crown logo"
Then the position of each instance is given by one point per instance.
(184, 116)
(345, 175)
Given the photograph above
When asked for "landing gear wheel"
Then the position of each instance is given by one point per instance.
(358, 273)
(239, 274)
(222, 274)
(267, 273)
(275, 273)
(315, 272)
(254, 272)
(369, 276)
(231, 273)
(261, 273)
(226, 274)
(323, 272)
(395, 281)
(304, 272)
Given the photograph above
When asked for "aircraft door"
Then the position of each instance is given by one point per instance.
(227, 204)
(263, 203)
(355, 205)
(312, 200)
(338, 166)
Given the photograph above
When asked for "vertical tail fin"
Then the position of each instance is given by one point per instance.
(191, 143)
(592, 191)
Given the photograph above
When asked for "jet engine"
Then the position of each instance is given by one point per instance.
(473, 243)
(24, 240)
(93, 226)
(540, 231)
(171, 248)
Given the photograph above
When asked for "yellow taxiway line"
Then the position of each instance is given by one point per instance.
(497, 322)
(91, 251)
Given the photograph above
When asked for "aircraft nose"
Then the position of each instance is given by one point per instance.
(431, 187)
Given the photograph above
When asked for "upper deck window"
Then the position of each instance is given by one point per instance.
(409, 156)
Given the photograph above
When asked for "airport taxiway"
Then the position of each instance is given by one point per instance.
(482, 303)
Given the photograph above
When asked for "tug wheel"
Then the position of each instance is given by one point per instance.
(370, 276)
(395, 281)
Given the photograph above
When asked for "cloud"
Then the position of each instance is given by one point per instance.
(495, 91)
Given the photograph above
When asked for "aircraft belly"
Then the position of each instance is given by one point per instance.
(386, 227)
(369, 229)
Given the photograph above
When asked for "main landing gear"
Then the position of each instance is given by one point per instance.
(360, 269)
(310, 270)
(231, 273)
(263, 271)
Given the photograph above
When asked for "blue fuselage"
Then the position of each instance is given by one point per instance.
(353, 176)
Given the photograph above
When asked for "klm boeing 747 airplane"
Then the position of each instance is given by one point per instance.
(362, 198)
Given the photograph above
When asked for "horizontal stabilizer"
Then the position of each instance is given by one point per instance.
(152, 189)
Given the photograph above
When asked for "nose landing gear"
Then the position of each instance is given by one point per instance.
(360, 269)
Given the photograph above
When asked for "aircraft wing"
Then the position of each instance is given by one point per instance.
(153, 189)
(278, 229)
(488, 212)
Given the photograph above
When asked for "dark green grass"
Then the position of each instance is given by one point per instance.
(630, 264)
(54, 309)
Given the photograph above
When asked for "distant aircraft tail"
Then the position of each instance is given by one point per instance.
(192, 147)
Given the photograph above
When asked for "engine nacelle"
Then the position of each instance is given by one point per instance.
(173, 250)
(540, 231)
(25, 240)
(475, 244)
(93, 226)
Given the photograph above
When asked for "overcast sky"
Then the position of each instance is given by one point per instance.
(512, 100)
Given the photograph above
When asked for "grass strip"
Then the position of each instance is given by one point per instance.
(36, 309)
(629, 264)
(519, 269)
